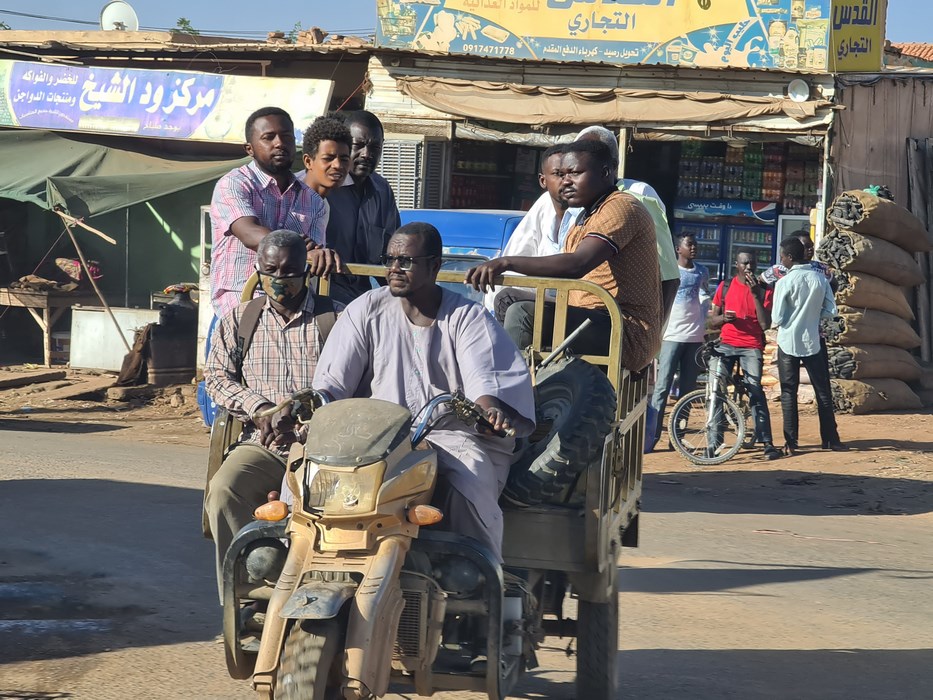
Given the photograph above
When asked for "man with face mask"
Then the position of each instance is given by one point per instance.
(280, 359)
(363, 212)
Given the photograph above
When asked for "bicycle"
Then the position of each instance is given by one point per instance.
(707, 426)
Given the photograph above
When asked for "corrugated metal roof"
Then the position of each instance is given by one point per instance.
(169, 42)
(915, 49)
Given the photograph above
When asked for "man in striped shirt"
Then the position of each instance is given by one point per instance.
(259, 197)
(280, 360)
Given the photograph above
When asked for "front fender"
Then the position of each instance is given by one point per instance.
(318, 600)
(239, 664)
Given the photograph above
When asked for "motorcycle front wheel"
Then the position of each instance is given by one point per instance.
(309, 667)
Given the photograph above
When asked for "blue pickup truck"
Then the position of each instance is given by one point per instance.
(470, 236)
(469, 232)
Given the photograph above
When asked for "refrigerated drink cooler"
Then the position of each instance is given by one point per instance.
(723, 227)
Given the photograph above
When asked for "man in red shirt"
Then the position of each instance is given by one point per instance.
(742, 309)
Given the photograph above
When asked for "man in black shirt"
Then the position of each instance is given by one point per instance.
(363, 213)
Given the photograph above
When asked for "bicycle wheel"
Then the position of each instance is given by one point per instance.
(703, 434)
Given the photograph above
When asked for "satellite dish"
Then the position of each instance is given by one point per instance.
(798, 90)
(118, 16)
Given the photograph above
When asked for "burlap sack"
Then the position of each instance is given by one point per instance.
(873, 396)
(853, 252)
(873, 361)
(865, 213)
(869, 327)
(860, 290)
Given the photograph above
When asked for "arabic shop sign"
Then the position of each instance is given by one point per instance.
(792, 35)
(158, 104)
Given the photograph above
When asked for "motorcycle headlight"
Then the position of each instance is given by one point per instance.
(345, 491)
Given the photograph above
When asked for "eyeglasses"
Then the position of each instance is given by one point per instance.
(404, 261)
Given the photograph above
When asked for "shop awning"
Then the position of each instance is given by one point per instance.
(49, 169)
(541, 105)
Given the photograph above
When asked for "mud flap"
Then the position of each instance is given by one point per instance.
(319, 600)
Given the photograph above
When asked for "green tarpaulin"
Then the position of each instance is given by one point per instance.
(49, 169)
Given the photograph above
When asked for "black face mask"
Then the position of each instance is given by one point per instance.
(285, 288)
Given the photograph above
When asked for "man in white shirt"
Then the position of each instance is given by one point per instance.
(801, 298)
(536, 234)
(685, 330)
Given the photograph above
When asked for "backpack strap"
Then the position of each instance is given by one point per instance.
(246, 328)
(326, 316)
(725, 290)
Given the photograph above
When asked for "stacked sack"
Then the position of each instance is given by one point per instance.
(871, 251)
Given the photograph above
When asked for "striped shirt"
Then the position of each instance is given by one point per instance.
(630, 275)
(248, 191)
(281, 359)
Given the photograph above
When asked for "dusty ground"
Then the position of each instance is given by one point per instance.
(890, 444)
(803, 578)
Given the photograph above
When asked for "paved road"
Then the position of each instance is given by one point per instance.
(746, 585)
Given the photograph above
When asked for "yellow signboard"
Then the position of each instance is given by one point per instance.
(793, 35)
(856, 35)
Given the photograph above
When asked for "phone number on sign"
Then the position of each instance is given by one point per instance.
(483, 48)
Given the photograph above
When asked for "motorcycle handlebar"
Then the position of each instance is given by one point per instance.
(311, 397)
(467, 411)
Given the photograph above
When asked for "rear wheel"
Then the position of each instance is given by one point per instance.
(598, 649)
(699, 435)
(309, 668)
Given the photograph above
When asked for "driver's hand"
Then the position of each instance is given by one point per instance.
(481, 277)
(283, 427)
(277, 429)
(323, 261)
(497, 419)
(264, 425)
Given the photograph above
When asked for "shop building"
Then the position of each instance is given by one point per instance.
(728, 116)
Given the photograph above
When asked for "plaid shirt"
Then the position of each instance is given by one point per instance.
(281, 360)
(248, 191)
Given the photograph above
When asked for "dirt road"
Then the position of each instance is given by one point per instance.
(803, 578)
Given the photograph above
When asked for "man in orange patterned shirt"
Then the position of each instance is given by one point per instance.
(612, 245)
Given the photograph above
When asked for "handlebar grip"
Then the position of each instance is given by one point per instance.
(498, 433)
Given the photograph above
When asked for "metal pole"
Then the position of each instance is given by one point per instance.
(563, 346)
(94, 284)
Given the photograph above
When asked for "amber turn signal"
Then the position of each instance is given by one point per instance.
(424, 515)
(273, 511)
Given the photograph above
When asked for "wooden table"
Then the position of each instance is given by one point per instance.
(46, 308)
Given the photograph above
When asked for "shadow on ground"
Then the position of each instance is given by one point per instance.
(784, 492)
(745, 674)
(728, 576)
(57, 426)
(109, 565)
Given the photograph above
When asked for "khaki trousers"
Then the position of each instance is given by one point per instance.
(240, 485)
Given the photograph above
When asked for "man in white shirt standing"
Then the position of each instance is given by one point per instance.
(685, 330)
(801, 298)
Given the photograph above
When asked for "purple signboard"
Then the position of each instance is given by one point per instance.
(158, 104)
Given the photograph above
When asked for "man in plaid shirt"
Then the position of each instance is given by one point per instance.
(280, 360)
(258, 197)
